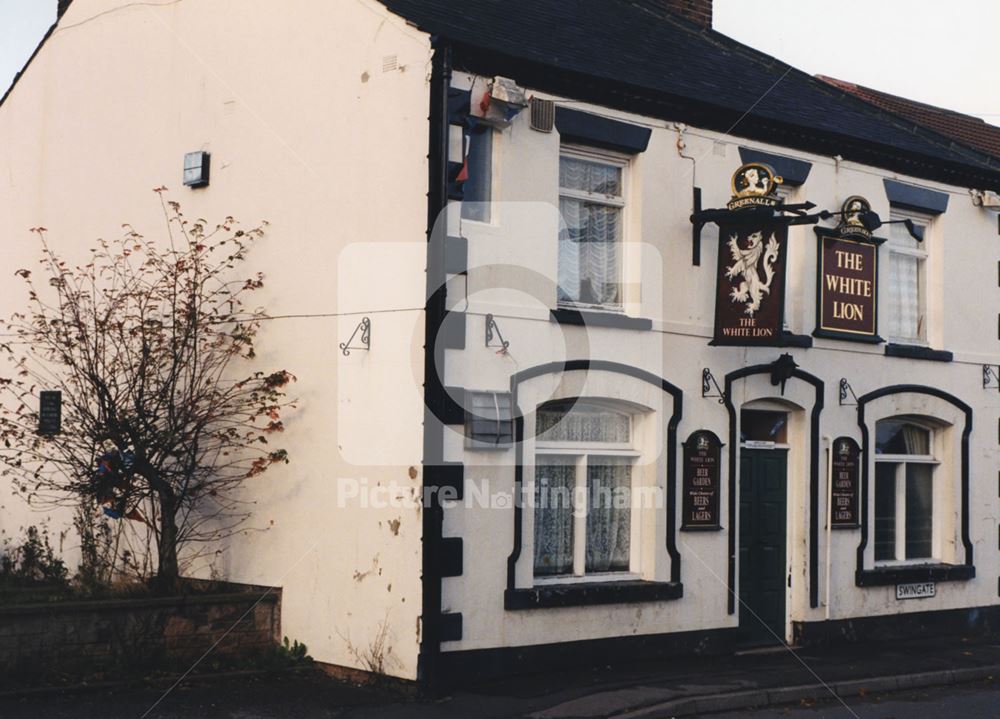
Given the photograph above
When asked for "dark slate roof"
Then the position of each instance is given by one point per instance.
(634, 55)
(971, 131)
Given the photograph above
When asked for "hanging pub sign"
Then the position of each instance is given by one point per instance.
(750, 285)
(700, 481)
(846, 471)
(847, 277)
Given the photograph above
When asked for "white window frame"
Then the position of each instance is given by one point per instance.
(621, 202)
(583, 452)
(493, 179)
(901, 460)
(921, 254)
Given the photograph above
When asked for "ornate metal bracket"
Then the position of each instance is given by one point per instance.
(493, 331)
(365, 327)
(991, 373)
(782, 370)
(707, 382)
(845, 389)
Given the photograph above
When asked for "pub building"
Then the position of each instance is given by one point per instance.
(692, 350)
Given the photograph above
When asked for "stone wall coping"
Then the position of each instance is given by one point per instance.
(100, 605)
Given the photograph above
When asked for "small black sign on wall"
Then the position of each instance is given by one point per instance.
(49, 412)
(844, 492)
(700, 483)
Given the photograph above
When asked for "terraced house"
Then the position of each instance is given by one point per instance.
(692, 350)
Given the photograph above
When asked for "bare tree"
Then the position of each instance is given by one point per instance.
(152, 346)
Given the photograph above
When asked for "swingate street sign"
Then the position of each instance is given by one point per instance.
(920, 590)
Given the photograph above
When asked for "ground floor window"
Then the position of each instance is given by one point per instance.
(904, 490)
(583, 489)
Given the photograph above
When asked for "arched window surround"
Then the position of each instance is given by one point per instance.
(955, 416)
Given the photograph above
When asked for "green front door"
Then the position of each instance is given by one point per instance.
(763, 573)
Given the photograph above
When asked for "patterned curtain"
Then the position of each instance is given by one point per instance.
(608, 488)
(555, 479)
(582, 425)
(609, 494)
(590, 243)
(905, 320)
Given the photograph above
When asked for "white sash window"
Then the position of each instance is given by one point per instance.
(583, 490)
(592, 203)
(906, 318)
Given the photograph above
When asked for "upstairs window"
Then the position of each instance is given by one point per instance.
(592, 203)
(477, 190)
(904, 490)
(906, 319)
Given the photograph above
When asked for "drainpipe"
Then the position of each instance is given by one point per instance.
(828, 441)
(434, 313)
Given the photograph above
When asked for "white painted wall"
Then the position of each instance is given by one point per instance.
(679, 299)
(307, 130)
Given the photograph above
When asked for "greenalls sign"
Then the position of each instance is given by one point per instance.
(852, 212)
(754, 185)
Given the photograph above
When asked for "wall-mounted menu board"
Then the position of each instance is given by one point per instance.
(846, 483)
(700, 482)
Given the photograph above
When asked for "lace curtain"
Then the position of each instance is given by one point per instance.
(582, 425)
(608, 482)
(555, 480)
(590, 242)
(904, 317)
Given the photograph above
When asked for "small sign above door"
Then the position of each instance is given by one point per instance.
(919, 590)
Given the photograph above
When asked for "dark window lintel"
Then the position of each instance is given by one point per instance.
(917, 352)
(566, 316)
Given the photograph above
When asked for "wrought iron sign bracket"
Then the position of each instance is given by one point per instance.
(991, 373)
(798, 215)
(707, 382)
(845, 390)
(493, 332)
(365, 328)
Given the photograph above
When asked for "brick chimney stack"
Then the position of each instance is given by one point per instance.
(697, 11)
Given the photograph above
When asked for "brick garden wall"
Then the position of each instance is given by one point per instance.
(135, 635)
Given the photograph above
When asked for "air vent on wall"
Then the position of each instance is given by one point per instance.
(543, 114)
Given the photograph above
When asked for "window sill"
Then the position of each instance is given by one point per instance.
(586, 593)
(902, 574)
(566, 316)
(917, 352)
(785, 339)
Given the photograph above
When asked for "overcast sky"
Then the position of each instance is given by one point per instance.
(942, 53)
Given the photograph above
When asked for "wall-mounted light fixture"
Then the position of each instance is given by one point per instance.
(196, 165)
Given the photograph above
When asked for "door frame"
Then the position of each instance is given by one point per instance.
(814, 467)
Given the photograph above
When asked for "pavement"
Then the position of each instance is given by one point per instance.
(968, 701)
(690, 686)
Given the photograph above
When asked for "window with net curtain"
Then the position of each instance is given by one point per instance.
(592, 202)
(583, 485)
(907, 305)
(904, 490)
